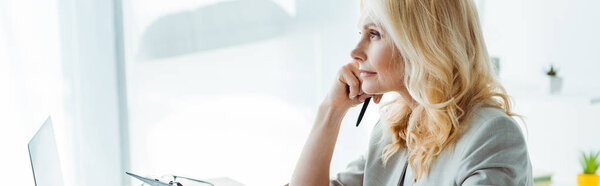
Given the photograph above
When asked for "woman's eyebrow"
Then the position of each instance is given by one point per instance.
(371, 24)
(366, 26)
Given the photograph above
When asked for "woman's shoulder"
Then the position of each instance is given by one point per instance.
(490, 118)
(493, 139)
(490, 129)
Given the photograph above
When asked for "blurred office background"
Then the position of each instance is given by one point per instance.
(229, 88)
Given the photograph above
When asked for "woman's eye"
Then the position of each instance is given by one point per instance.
(373, 34)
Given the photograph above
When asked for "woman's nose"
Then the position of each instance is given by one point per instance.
(358, 54)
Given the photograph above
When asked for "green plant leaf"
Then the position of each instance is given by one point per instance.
(590, 163)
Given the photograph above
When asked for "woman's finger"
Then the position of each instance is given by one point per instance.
(352, 81)
(377, 98)
(362, 98)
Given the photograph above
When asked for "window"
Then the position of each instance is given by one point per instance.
(230, 88)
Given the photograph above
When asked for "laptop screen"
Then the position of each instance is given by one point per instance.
(44, 157)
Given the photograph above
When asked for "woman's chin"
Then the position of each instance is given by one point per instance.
(370, 89)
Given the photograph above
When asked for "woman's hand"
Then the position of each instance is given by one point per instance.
(346, 91)
(313, 166)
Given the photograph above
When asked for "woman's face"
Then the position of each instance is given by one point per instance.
(381, 66)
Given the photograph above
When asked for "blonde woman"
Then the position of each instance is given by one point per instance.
(451, 124)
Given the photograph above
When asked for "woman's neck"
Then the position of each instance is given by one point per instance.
(407, 98)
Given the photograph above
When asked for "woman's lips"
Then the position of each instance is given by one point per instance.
(364, 73)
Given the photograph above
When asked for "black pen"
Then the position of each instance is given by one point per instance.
(362, 111)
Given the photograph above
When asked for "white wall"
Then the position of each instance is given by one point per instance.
(530, 35)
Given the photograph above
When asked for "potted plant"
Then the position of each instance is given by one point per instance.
(555, 81)
(589, 164)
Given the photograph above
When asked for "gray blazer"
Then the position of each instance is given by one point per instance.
(490, 151)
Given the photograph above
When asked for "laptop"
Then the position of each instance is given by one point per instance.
(43, 155)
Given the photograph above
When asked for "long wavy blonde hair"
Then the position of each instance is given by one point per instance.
(447, 72)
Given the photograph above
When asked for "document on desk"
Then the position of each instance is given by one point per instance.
(151, 182)
(186, 182)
